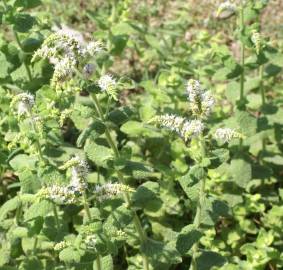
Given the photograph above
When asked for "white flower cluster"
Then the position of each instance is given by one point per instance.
(186, 129)
(110, 190)
(58, 194)
(108, 84)
(226, 9)
(61, 245)
(24, 101)
(68, 53)
(201, 101)
(79, 171)
(63, 70)
(64, 115)
(227, 134)
(90, 241)
(257, 41)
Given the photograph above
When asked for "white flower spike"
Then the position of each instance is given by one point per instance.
(186, 129)
(227, 134)
(201, 102)
(24, 101)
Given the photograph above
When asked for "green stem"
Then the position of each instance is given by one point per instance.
(98, 262)
(136, 220)
(262, 93)
(18, 213)
(88, 214)
(242, 78)
(55, 212)
(261, 67)
(35, 245)
(21, 47)
(200, 204)
(86, 207)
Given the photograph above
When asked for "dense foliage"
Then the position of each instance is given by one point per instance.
(145, 140)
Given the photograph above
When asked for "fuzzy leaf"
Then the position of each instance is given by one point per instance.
(161, 255)
(191, 181)
(106, 263)
(186, 239)
(146, 194)
(39, 209)
(8, 206)
(69, 255)
(241, 172)
(209, 259)
(99, 154)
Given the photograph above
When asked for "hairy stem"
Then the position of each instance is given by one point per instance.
(35, 245)
(242, 78)
(55, 212)
(21, 47)
(262, 93)
(98, 262)
(136, 220)
(200, 204)
(86, 207)
(88, 214)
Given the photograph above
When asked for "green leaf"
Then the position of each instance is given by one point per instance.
(31, 43)
(31, 263)
(133, 128)
(247, 123)
(39, 209)
(276, 59)
(241, 172)
(4, 66)
(119, 43)
(120, 115)
(212, 210)
(23, 22)
(138, 170)
(219, 156)
(209, 259)
(22, 162)
(20, 232)
(29, 181)
(123, 28)
(191, 182)
(186, 239)
(118, 219)
(146, 194)
(161, 255)
(99, 154)
(5, 252)
(272, 70)
(106, 263)
(27, 3)
(154, 42)
(276, 159)
(69, 255)
(95, 129)
(9, 206)
(232, 91)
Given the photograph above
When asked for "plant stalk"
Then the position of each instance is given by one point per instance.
(55, 212)
(86, 207)
(242, 78)
(21, 47)
(136, 220)
(88, 214)
(200, 204)
(35, 245)
(262, 93)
